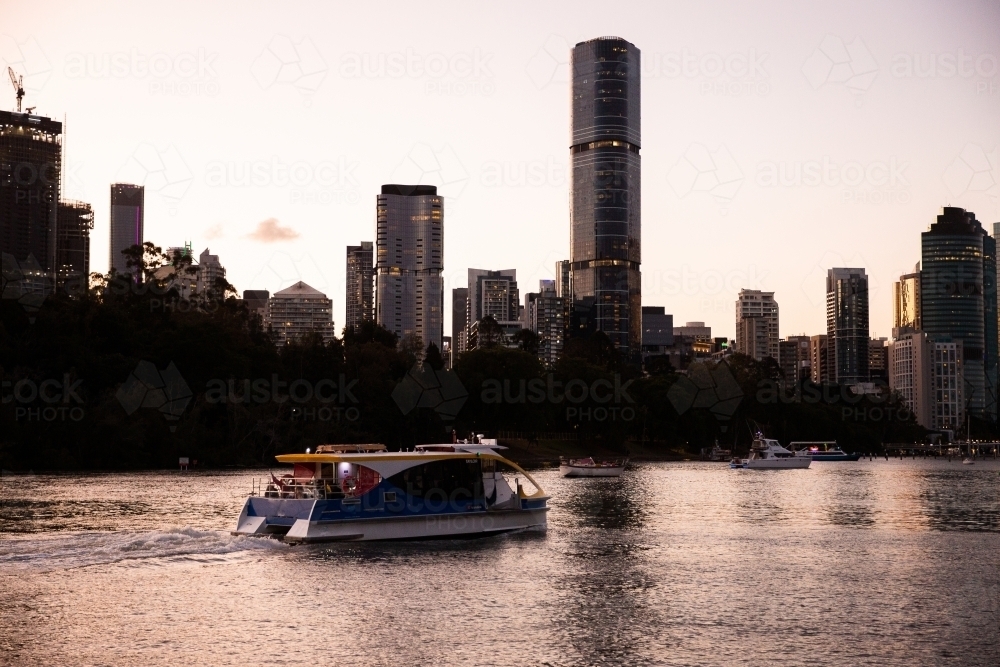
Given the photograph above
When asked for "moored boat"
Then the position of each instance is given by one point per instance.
(826, 450)
(588, 467)
(767, 454)
(364, 492)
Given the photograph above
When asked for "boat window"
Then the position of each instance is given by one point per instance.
(451, 479)
(304, 471)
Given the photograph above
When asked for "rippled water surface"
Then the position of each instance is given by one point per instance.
(869, 563)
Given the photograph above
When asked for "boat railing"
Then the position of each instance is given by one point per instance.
(327, 489)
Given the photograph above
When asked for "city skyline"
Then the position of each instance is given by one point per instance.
(703, 244)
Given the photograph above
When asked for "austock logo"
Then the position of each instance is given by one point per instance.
(148, 387)
(716, 390)
(424, 387)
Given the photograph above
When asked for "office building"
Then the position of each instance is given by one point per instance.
(30, 168)
(605, 183)
(657, 330)
(360, 284)
(127, 220)
(906, 303)
(757, 324)
(545, 313)
(695, 330)
(956, 257)
(927, 374)
(299, 310)
(794, 358)
(847, 325)
(819, 360)
(409, 261)
(75, 219)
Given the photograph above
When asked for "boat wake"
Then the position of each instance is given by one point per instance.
(89, 549)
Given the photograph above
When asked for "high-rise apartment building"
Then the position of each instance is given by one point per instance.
(819, 360)
(927, 374)
(75, 220)
(847, 324)
(878, 360)
(605, 184)
(545, 314)
(956, 257)
(409, 261)
(757, 324)
(794, 358)
(30, 169)
(298, 310)
(127, 223)
(492, 294)
(210, 270)
(563, 288)
(360, 284)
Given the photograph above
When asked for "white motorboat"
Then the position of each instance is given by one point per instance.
(588, 467)
(767, 454)
(363, 492)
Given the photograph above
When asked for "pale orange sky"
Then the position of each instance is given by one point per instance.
(778, 139)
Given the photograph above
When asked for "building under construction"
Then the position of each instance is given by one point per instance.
(74, 222)
(30, 167)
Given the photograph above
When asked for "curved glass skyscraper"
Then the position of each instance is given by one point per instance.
(957, 303)
(605, 190)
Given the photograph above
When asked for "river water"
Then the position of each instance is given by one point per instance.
(870, 563)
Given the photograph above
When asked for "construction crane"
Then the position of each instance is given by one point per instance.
(18, 82)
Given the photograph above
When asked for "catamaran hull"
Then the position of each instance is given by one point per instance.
(412, 527)
(591, 471)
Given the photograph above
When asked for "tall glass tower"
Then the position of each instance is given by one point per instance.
(127, 221)
(958, 301)
(605, 191)
(409, 261)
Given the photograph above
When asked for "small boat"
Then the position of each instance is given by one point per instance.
(967, 461)
(717, 454)
(822, 451)
(767, 454)
(588, 467)
(364, 492)
(738, 463)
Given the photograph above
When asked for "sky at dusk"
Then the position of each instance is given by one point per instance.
(778, 140)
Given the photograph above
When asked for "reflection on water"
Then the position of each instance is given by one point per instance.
(888, 563)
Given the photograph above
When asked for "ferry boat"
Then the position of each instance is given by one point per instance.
(767, 454)
(588, 467)
(364, 492)
(826, 450)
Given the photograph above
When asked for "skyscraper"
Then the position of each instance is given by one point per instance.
(210, 269)
(75, 220)
(906, 304)
(757, 324)
(957, 303)
(360, 277)
(605, 223)
(847, 324)
(493, 294)
(409, 261)
(127, 213)
(30, 167)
